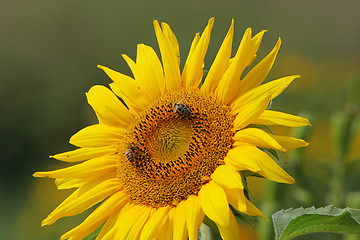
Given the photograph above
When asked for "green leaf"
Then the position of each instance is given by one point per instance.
(291, 223)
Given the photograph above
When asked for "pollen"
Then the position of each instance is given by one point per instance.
(174, 153)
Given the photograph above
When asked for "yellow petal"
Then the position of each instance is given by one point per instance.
(97, 135)
(194, 216)
(130, 216)
(275, 87)
(169, 34)
(290, 142)
(256, 41)
(109, 224)
(236, 198)
(255, 44)
(252, 210)
(110, 234)
(257, 137)
(86, 153)
(67, 183)
(166, 232)
(193, 69)
(269, 168)
(147, 71)
(257, 75)
(131, 221)
(231, 182)
(194, 44)
(108, 107)
(179, 222)
(88, 169)
(237, 160)
(230, 232)
(89, 194)
(137, 73)
(221, 62)
(109, 207)
(151, 74)
(215, 205)
(169, 59)
(230, 82)
(128, 89)
(156, 221)
(269, 117)
(139, 223)
(248, 113)
(226, 176)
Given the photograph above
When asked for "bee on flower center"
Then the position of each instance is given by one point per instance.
(132, 149)
(181, 108)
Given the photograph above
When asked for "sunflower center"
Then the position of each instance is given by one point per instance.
(170, 139)
(173, 147)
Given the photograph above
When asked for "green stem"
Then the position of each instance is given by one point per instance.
(269, 206)
(338, 188)
(342, 134)
(338, 185)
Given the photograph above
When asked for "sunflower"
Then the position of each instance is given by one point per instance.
(171, 148)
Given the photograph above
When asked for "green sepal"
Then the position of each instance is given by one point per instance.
(272, 152)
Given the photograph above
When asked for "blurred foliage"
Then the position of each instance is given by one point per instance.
(50, 49)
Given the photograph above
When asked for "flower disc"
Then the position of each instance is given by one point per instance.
(174, 153)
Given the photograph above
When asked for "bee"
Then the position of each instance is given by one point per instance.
(132, 151)
(129, 152)
(181, 108)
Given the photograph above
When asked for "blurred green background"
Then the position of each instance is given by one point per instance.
(48, 56)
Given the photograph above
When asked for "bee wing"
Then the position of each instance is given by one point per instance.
(175, 107)
(127, 151)
(180, 100)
